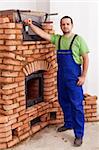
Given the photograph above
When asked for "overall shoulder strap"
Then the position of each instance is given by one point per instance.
(72, 41)
(59, 42)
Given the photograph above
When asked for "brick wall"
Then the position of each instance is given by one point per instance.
(19, 59)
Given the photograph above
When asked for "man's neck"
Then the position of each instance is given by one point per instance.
(68, 34)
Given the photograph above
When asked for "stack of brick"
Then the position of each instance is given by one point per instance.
(90, 108)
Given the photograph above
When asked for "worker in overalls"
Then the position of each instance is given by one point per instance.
(72, 52)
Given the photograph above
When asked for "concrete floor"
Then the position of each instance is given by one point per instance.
(49, 139)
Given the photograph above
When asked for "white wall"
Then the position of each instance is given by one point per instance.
(43, 5)
(85, 16)
(35, 5)
(18, 4)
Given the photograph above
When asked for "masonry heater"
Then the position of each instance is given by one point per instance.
(28, 77)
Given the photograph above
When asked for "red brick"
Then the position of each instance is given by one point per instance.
(94, 106)
(17, 125)
(22, 47)
(19, 26)
(1, 42)
(94, 114)
(18, 79)
(6, 112)
(28, 42)
(22, 83)
(12, 42)
(6, 134)
(87, 107)
(22, 112)
(5, 80)
(21, 58)
(36, 128)
(19, 37)
(1, 31)
(13, 116)
(7, 92)
(58, 121)
(23, 117)
(6, 139)
(91, 102)
(31, 110)
(5, 129)
(92, 119)
(3, 119)
(11, 122)
(10, 107)
(7, 55)
(44, 124)
(12, 31)
(4, 36)
(20, 98)
(22, 102)
(22, 127)
(6, 67)
(11, 61)
(2, 101)
(10, 86)
(24, 136)
(4, 20)
(8, 48)
(17, 68)
(18, 89)
(32, 47)
(9, 74)
(27, 52)
(88, 115)
(3, 145)
(7, 25)
(14, 141)
(19, 109)
(91, 110)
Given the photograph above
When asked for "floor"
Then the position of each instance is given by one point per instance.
(49, 139)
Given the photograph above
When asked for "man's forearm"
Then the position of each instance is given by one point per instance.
(85, 65)
(81, 79)
(40, 32)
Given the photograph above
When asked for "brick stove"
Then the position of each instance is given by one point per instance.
(20, 114)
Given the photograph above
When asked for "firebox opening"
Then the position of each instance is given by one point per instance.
(52, 115)
(14, 132)
(35, 121)
(34, 88)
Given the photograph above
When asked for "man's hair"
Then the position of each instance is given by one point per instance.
(65, 17)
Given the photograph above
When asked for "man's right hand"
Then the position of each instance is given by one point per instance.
(28, 21)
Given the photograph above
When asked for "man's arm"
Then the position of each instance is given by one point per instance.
(82, 78)
(38, 30)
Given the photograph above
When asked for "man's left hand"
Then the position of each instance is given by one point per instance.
(81, 80)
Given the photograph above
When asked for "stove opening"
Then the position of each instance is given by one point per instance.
(34, 88)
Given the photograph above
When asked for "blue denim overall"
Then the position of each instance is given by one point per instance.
(70, 95)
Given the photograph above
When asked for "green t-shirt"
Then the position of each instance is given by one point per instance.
(79, 46)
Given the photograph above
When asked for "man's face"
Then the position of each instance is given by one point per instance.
(66, 25)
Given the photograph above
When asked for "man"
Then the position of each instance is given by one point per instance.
(72, 52)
